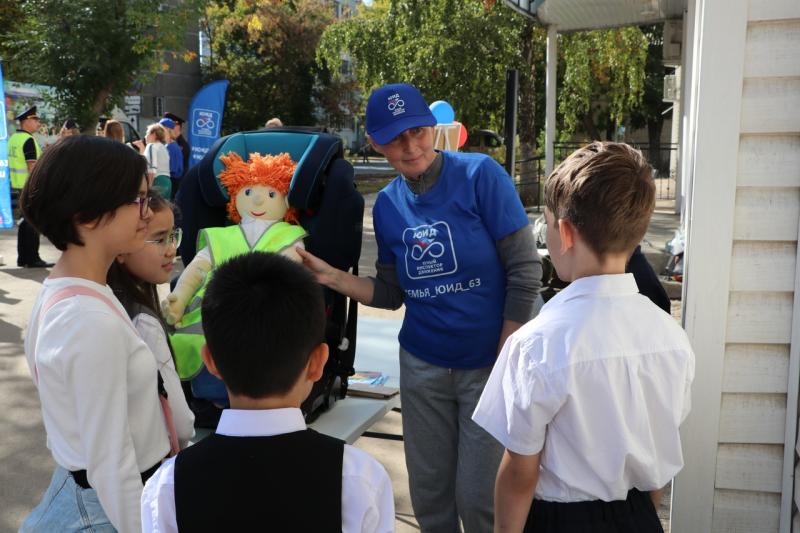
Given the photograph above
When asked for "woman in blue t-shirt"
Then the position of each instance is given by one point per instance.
(454, 246)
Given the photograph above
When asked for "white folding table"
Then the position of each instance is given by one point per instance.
(376, 350)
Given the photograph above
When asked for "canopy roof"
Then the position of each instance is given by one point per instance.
(574, 15)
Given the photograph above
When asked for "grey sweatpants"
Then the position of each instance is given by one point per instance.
(452, 462)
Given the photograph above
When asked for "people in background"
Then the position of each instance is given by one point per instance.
(184, 145)
(175, 154)
(23, 153)
(158, 159)
(114, 130)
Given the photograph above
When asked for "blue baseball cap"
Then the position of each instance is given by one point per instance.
(394, 108)
(167, 123)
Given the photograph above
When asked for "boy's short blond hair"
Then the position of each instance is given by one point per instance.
(606, 191)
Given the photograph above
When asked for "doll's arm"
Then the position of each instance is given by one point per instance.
(290, 252)
(191, 279)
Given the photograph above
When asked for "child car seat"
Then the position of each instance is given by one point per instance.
(331, 211)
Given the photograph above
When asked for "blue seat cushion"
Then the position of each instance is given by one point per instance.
(311, 151)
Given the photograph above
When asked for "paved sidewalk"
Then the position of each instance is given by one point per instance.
(25, 461)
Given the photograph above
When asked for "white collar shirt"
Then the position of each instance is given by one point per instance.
(367, 499)
(599, 383)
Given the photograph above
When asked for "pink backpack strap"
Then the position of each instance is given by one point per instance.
(80, 290)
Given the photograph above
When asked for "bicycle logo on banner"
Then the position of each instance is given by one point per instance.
(205, 123)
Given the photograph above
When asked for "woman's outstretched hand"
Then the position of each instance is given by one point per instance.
(325, 274)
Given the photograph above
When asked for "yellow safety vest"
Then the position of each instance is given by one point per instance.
(17, 164)
(224, 244)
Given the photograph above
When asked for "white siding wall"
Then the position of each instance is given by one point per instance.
(748, 332)
(751, 462)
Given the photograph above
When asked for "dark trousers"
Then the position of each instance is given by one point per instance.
(176, 183)
(27, 236)
(636, 514)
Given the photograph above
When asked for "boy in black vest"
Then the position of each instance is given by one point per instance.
(263, 470)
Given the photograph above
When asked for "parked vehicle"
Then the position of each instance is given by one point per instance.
(483, 141)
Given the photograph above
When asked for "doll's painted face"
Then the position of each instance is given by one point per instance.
(261, 202)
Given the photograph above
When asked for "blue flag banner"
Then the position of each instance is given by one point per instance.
(205, 118)
(6, 215)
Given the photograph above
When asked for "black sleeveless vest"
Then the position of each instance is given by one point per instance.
(285, 483)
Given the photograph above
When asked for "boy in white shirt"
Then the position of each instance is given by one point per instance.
(587, 398)
(263, 470)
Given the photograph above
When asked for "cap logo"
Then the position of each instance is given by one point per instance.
(396, 105)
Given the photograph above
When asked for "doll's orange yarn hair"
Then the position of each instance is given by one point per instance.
(275, 171)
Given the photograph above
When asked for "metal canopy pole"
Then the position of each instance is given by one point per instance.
(550, 99)
(512, 77)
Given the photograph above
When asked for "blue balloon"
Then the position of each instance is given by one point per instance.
(443, 112)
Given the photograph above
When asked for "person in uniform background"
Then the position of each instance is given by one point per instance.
(23, 152)
(175, 154)
(182, 143)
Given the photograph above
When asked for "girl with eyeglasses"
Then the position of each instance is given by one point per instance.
(134, 278)
(97, 380)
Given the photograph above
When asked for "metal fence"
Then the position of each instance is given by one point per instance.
(530, 172)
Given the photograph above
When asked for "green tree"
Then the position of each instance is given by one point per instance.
(650, 113)
(266, 48)
(603, 78)
(454, 50)
(459, 50)
(530, 112)
(92, 51)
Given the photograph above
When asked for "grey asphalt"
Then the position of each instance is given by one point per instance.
(25, 462)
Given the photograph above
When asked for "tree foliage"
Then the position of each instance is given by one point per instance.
(605, 68)
(93, 51)
(459, 50)
(454, 50)
(266, 48)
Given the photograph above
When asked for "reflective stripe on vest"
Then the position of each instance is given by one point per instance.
(17, 164)
(224, 244)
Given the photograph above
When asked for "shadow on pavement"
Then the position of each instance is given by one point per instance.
(27, 465)
(30, 274)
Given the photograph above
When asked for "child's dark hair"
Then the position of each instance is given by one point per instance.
(129, 289)
(606, 191)
(263, 314)
(78, 180)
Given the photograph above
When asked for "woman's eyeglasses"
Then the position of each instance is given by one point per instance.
(173, 238)
(144, 205)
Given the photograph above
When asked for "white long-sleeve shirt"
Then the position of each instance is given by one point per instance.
(367, 500)
(157, 158)
(152, 334)
(97, 385)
